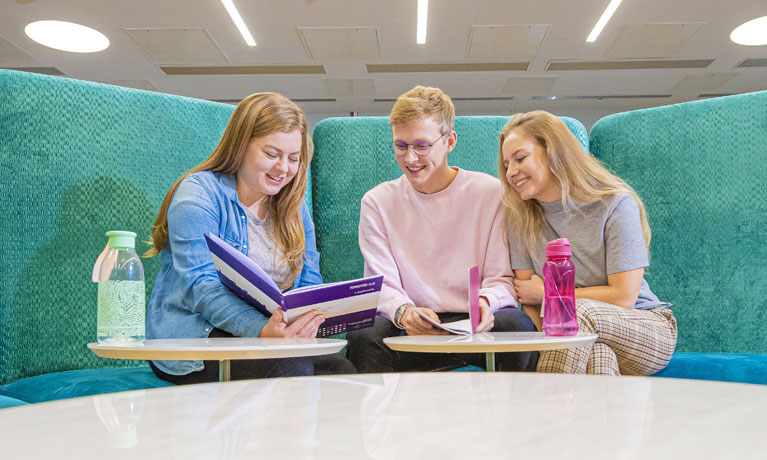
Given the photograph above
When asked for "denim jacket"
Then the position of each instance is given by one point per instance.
(188, 299)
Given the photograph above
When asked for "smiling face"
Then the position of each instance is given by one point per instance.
(527, 170)
(270, 163)
(427, 173)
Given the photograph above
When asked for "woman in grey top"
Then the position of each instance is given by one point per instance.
(553, 189)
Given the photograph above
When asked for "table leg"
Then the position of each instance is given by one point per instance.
(490, 362)
(224, 373)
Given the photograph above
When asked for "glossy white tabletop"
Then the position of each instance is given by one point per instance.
(221, 348)
(487, 342)
(453, 415)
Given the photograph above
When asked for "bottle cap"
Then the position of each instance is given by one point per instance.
(559, 248)
(121, 239)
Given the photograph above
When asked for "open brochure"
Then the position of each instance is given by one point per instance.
(465, 326)
(346, 305)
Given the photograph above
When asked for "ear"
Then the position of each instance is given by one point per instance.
(452, 140)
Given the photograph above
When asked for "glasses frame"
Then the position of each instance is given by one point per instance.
(408, 146)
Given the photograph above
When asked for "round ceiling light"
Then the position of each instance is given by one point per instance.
(67, 36)
(751, 33)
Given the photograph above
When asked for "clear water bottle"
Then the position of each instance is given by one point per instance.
(559, 316)
(122, 295)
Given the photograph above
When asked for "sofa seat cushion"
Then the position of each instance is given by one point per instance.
(726, 367)
(6, 401)
(83, 382)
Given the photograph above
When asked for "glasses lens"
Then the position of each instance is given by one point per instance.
(421, 147)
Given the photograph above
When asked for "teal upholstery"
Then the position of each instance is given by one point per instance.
(6, 401)
(701, 169)
(82, 382)
(352, 155)
(78, 159)
(731, 367)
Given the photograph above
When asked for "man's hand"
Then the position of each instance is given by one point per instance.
(415, 325)
(529, 292)
(305, 326)
(486, 317)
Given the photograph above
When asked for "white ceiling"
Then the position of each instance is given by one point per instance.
(342, 37)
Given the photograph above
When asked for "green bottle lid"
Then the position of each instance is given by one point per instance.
(121, 240)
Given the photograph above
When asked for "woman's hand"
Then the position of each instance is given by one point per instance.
(486, 317)
(305, 326)
(529, 292)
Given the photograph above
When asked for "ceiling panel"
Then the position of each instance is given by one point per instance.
(650, 41)
(167, 46)
(514, 42)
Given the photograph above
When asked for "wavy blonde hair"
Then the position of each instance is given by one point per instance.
(582, 177)
(257, 115)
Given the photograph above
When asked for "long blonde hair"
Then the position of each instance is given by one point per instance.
(257, 115)
(582, 177)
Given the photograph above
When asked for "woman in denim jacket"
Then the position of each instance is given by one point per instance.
(249, 192)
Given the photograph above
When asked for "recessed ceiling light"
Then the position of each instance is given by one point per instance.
(423, 13)
(751, 33)
(602, 22)
(237, 19)
(67, 36)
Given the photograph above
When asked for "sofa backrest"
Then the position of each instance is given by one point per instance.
(701, 170)
(353, 155)
(78, 159)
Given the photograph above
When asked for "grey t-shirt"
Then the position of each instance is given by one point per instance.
(605, 236)
(263, 250)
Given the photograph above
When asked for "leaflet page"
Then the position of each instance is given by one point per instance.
(462, 327)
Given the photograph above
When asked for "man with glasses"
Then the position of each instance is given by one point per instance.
(423, 231)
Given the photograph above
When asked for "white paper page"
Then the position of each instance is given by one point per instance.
(462, 327)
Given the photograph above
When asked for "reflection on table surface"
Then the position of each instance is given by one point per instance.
(436, 415)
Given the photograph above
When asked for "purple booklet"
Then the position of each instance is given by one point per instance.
(346, 305)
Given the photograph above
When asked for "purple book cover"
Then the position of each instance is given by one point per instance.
(346, 305)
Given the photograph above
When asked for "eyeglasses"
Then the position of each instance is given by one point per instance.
(421, 148)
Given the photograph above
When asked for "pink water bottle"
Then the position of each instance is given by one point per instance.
(559, 290)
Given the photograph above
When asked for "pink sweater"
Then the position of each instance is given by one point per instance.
(424, 244)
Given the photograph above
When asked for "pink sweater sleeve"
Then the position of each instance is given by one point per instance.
(379, 260)
(497, 282)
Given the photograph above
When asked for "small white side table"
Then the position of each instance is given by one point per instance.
(487, 342)
(223, 349)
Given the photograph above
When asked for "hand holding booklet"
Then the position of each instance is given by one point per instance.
(465, 326)
(346, 305)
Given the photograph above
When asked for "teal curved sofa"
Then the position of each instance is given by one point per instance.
(701, 169)
(79, 158)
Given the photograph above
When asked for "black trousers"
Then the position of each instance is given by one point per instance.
(369, 354)
(244, 369)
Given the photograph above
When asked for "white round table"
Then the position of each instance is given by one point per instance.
(444, 415)
(487, 342)
(223, 349)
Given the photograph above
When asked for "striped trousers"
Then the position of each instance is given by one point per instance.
(629, 342)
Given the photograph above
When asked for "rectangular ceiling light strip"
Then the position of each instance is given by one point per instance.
(602, 22)
(245, 70)
(423, 14)
(41, 70)
(600, 97)
(466, 67)
(315, 99)
(754, 62)
(630, 64)
(235, 15)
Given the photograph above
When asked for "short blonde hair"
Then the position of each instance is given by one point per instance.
(422, 102)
